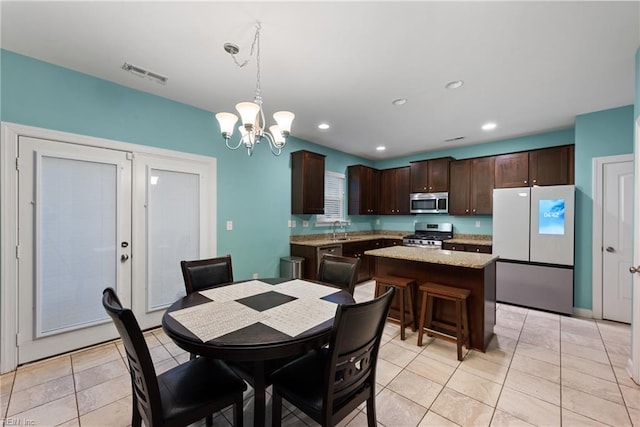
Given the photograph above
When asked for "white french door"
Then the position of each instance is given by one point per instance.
(172, 218)
(617, 240)
(74, 237)
(93, 213)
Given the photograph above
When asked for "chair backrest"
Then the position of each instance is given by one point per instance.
(339, 270)
(143, 376)
(353, 346)
(206, 273)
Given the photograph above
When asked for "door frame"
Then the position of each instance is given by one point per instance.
(598, 222)
(9, 134)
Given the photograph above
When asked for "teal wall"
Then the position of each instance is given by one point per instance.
(603, 133)
(255, 192)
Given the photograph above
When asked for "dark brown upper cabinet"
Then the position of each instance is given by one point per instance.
(471, 186)
(430, 176)
(394, 185)
(547, 166)
(307, 183)
(363, 183)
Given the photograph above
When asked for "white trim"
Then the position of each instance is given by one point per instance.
(597, 224)
(8, 245)
(9, 133)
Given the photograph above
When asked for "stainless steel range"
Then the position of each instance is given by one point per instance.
(429, 235)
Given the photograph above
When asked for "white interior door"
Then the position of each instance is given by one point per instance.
(174, 219)
(74, 227)
(617, 240)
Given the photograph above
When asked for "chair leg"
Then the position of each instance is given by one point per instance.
(465, 324)
(371, 411)
(136, 418)
(209, 420)
(423, 311)
(402, 314)
(276, 409)
(459, 329)
(237, 414)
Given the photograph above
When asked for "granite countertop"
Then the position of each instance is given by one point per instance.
(326, 240)
(435, 256)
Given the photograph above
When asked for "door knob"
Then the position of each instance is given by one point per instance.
(124, 257)
(610, 249)
(634, 270)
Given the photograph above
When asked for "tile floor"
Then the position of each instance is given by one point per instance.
(541, 369)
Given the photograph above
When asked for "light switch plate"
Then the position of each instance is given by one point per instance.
(305, 223)
(229, 225)
(477, 224)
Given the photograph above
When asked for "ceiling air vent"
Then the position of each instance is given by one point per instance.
(141, 72)
(457, 138)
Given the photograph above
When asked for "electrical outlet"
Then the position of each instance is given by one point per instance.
(477, 224)
(255, 275)
(293, 223)
(289, 223)
(305, 223)
(229, 225)
(378, 221)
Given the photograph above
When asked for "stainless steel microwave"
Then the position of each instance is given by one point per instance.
(437, 203)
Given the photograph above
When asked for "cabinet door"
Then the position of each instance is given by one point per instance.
(550, 166)
(481, 249)
(307, 183)
(419, 173)
(512, 170)
(481, 191)
(438, 172)
(460, 177)
(363, 183)
(402, 183)
(387, 192)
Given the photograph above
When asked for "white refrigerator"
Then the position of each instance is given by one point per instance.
(533, 234)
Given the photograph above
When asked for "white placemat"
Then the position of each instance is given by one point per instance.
(299, 315)
(237, 291)
(303, 289)
(214, 319)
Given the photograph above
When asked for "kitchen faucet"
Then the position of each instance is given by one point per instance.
(335, 224)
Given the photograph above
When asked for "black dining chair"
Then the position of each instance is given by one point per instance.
(206, 273)
(339, 271)
(180, 396)
(329, 383)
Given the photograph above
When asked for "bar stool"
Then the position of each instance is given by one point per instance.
(459, 332)
(405, 289)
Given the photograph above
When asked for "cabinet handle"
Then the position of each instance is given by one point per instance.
(534, 181)
(466, 211)
(478, 250)
(525, 181)
(473, 210)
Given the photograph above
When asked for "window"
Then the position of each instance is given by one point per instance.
(333, 199)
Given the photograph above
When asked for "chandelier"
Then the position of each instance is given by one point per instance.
(252, 130)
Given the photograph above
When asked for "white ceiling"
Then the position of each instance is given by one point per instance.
(528, 66)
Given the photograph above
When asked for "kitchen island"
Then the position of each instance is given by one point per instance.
(467, 270)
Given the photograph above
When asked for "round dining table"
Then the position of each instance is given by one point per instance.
(257, 347)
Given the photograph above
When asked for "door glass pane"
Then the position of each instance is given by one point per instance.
(174, 232)
(77, 240)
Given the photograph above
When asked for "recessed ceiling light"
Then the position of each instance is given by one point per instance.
(324, 126)
(454, 84)
(489, 126)
(399, 101)
(381, 148)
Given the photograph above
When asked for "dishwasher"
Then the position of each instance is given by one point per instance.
(331, 250)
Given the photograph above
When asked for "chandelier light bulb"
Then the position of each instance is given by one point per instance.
(248, 112)
(284, 119)
(227, 122)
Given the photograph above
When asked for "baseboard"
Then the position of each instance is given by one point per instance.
(582, 312)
